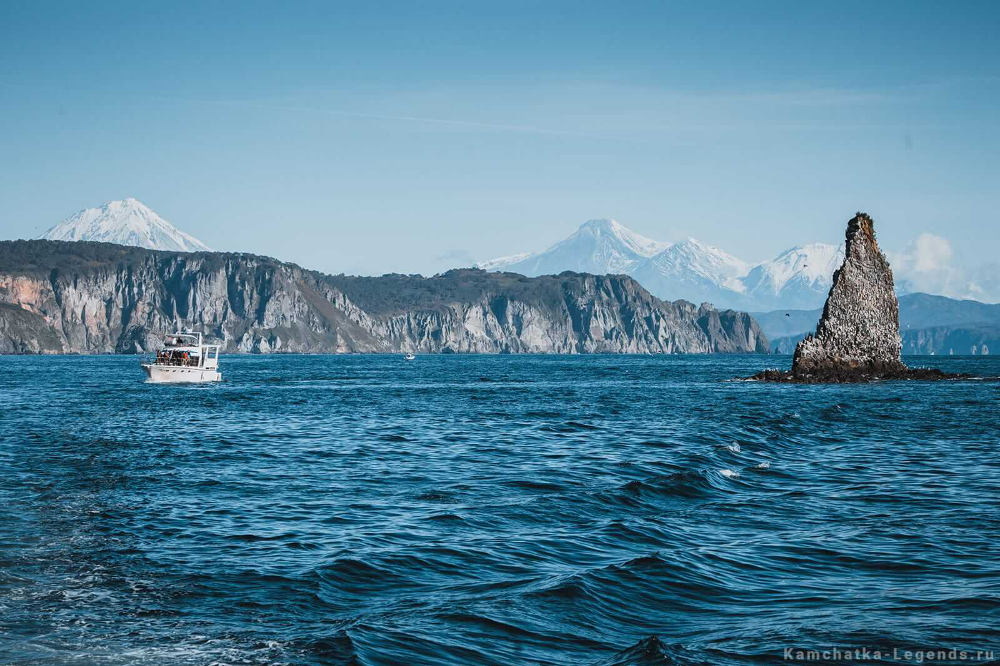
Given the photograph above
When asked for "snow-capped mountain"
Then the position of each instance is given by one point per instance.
(598, 246)
(698, 271)
(503, 263)
(127, 222)
(692, 270)
(798, 278)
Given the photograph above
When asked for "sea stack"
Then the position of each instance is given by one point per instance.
(859, 330)
(857, 339)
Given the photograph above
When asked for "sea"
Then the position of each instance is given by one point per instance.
(478, 509)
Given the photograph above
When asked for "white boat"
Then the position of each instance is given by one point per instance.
(184, 358)
(409, 357)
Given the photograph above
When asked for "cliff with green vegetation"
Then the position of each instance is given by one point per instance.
(78, 297)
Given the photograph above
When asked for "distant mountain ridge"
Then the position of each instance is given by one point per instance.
(799, 277)
(598, 247)
(125, 222)
(696, 271)
(928, 324)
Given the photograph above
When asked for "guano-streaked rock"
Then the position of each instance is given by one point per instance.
(859, 329)
(857, 338)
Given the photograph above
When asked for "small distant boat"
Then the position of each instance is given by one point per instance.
(408, 357)
(184, 358)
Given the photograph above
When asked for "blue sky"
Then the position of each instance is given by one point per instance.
(376, 137)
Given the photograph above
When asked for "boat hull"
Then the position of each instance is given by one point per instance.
(169, 374)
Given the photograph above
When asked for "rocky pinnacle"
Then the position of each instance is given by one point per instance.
(857, 338)
(859, 329)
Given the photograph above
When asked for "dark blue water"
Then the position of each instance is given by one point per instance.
(491, 510)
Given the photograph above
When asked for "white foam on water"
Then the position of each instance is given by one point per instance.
(729, 474)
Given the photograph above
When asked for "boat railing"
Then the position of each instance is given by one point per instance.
(208, 358)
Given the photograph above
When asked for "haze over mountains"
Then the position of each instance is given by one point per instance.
(694, 271)
(797, 278)
(125, 222)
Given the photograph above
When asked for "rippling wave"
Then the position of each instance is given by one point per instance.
(491, 510)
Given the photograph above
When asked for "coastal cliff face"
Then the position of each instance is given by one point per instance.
(61, 297)
(859, 329)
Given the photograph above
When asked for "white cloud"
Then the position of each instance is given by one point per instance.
(930, 253)
(928, 264)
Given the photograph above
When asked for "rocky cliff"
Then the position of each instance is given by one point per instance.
(62, 297)
(857, 338)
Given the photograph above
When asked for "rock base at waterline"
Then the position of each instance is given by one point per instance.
(844, 375)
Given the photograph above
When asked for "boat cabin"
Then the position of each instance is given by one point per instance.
(187, 350)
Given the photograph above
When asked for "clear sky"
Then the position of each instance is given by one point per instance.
(375, 137)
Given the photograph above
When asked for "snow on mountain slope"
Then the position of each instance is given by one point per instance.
(798, 278)
(695, 272)
(501, 263)
(693, 256)
(127, 222)
(613, 229)
(598, 246)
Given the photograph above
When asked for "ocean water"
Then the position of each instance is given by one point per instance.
(492, 510)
